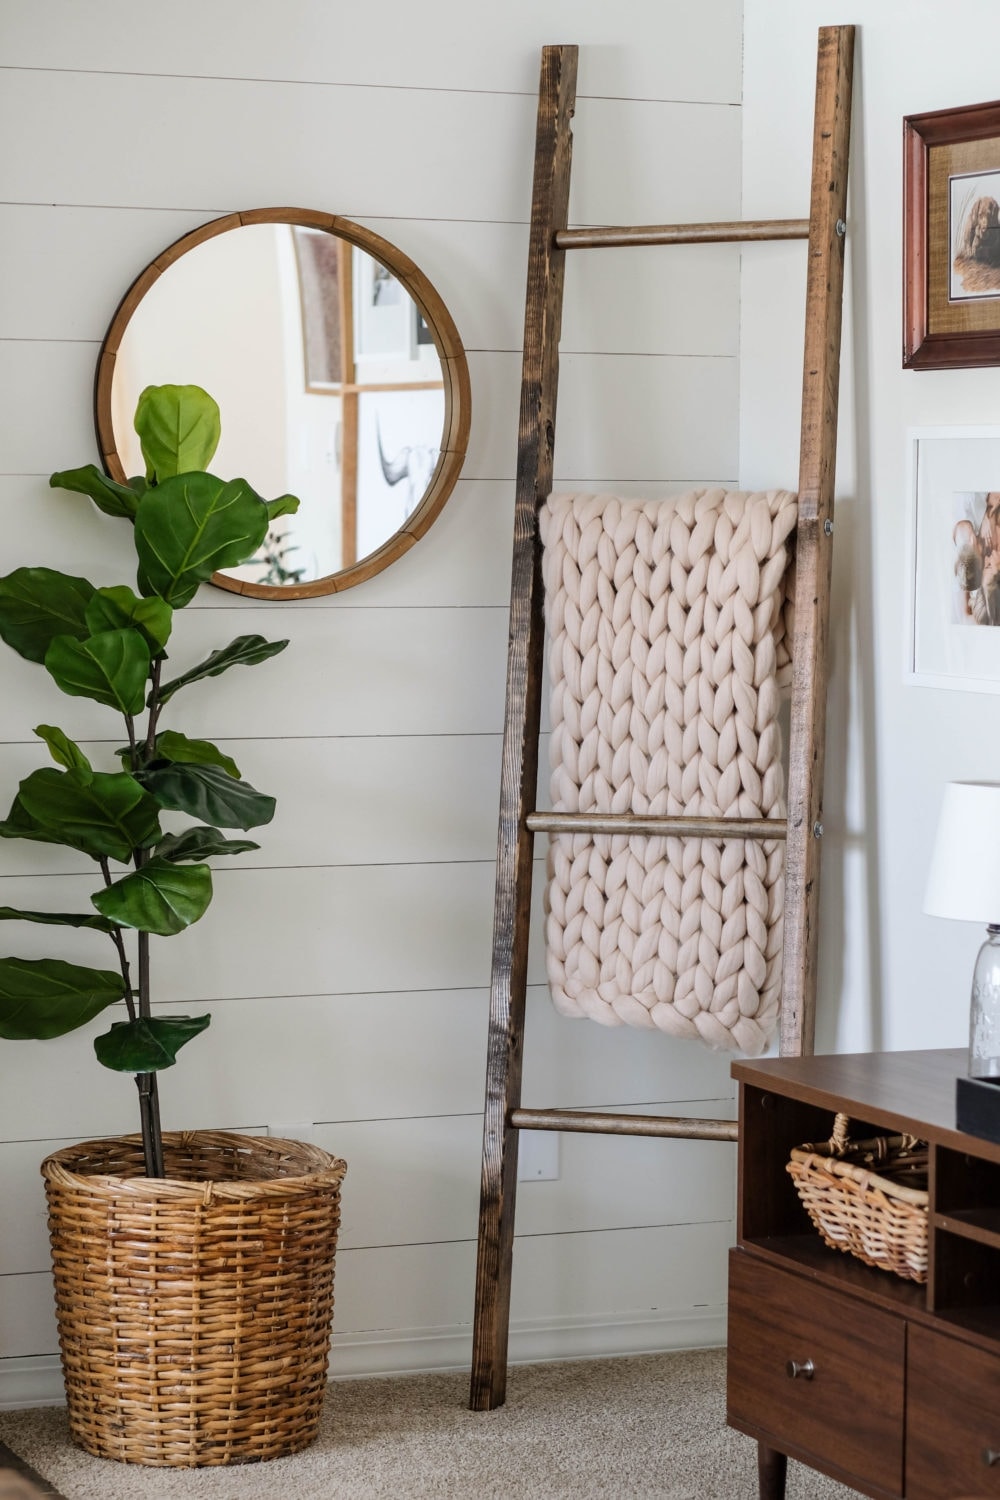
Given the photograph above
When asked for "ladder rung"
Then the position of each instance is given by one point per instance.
(676, 827)
(682, 234)
(592, 1123)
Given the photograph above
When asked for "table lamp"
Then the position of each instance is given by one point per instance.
(964, 883)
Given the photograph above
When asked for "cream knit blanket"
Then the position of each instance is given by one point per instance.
(668, 624)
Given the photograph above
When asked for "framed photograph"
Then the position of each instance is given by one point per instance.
(953, 594)
(951, 238)
(383, 313)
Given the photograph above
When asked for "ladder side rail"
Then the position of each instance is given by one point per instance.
(536, 439)
(814, 551)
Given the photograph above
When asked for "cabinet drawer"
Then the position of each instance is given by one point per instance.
(952, 1419)
(845, 1408)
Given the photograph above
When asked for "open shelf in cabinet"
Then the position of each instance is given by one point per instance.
(966, 1192)
(807, 1254)
(982, 1224)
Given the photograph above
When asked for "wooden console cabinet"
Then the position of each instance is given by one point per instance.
(890, 1387)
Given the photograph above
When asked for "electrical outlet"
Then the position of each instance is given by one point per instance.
(538, 1156)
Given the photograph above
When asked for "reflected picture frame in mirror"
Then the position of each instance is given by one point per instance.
(334, 345)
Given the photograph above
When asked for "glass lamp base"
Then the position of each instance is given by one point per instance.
(984, 1016)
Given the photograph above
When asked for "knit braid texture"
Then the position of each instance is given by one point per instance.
(668, 645)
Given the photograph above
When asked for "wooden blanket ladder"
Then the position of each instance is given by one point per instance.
(550, 239)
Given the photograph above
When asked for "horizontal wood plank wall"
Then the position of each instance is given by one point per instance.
(347, 963)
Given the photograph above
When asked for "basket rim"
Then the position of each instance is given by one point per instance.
(811, 1159)
(321, 1169)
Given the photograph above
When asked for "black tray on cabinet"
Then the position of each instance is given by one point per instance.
(977, 1107)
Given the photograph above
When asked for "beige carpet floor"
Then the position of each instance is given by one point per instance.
(650, 1427)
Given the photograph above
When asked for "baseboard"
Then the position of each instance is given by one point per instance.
(532, 1341)
(37, 1381)
(32, 1381)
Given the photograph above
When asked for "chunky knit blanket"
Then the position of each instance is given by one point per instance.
(668, 627)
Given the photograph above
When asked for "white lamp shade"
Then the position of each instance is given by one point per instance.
(964, 878)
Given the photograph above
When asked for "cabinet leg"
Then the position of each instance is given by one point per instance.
(772, 1467)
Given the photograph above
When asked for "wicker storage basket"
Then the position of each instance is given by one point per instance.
(194, 1310)
(868, 1198)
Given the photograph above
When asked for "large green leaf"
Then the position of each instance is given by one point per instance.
(64, 751)
(113, 498)
(207, 793)
(189, 527)
(41, 998)
(244, 651)
(55, 918)
(148, 1043)
(19, 824)
(109, 814)
(161, 897)
(37, 604)
(179, 429)
(110, 668)
(176, 747)
(285, 505)
(200, 843)
(118, 608)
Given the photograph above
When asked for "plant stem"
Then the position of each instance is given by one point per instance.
(154, 703)
(147, 1083)
(119, 942)
(149, 1119)
(149, 1094)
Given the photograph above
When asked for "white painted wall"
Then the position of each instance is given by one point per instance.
(347, 964)
(890, 976)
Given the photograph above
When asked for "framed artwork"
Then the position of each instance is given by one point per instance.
(398, 450)
(951, 238)
(322, 262)
(953, 593)
(383, 313)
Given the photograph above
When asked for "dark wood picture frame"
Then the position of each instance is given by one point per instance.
(942, 331)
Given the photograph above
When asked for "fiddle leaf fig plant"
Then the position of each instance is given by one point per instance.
(109, 645)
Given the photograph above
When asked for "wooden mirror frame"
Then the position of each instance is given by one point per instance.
(454, 375)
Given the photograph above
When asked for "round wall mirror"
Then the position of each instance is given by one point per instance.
(339, 373)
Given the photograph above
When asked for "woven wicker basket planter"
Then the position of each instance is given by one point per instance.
(194, 1311)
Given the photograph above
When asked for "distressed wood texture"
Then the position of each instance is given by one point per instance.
(600, 1123)
(536, 440)
(702, 828)
(814, 535)
(683, 234)
(518, 823)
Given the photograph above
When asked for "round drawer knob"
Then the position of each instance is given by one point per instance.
(991, 1457)
(804, 1371)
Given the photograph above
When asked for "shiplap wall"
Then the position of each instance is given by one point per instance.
(347, 963)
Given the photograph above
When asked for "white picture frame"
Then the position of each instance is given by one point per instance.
(384, 322)
(952, 635)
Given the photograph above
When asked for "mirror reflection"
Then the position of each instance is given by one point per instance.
(328, 378)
